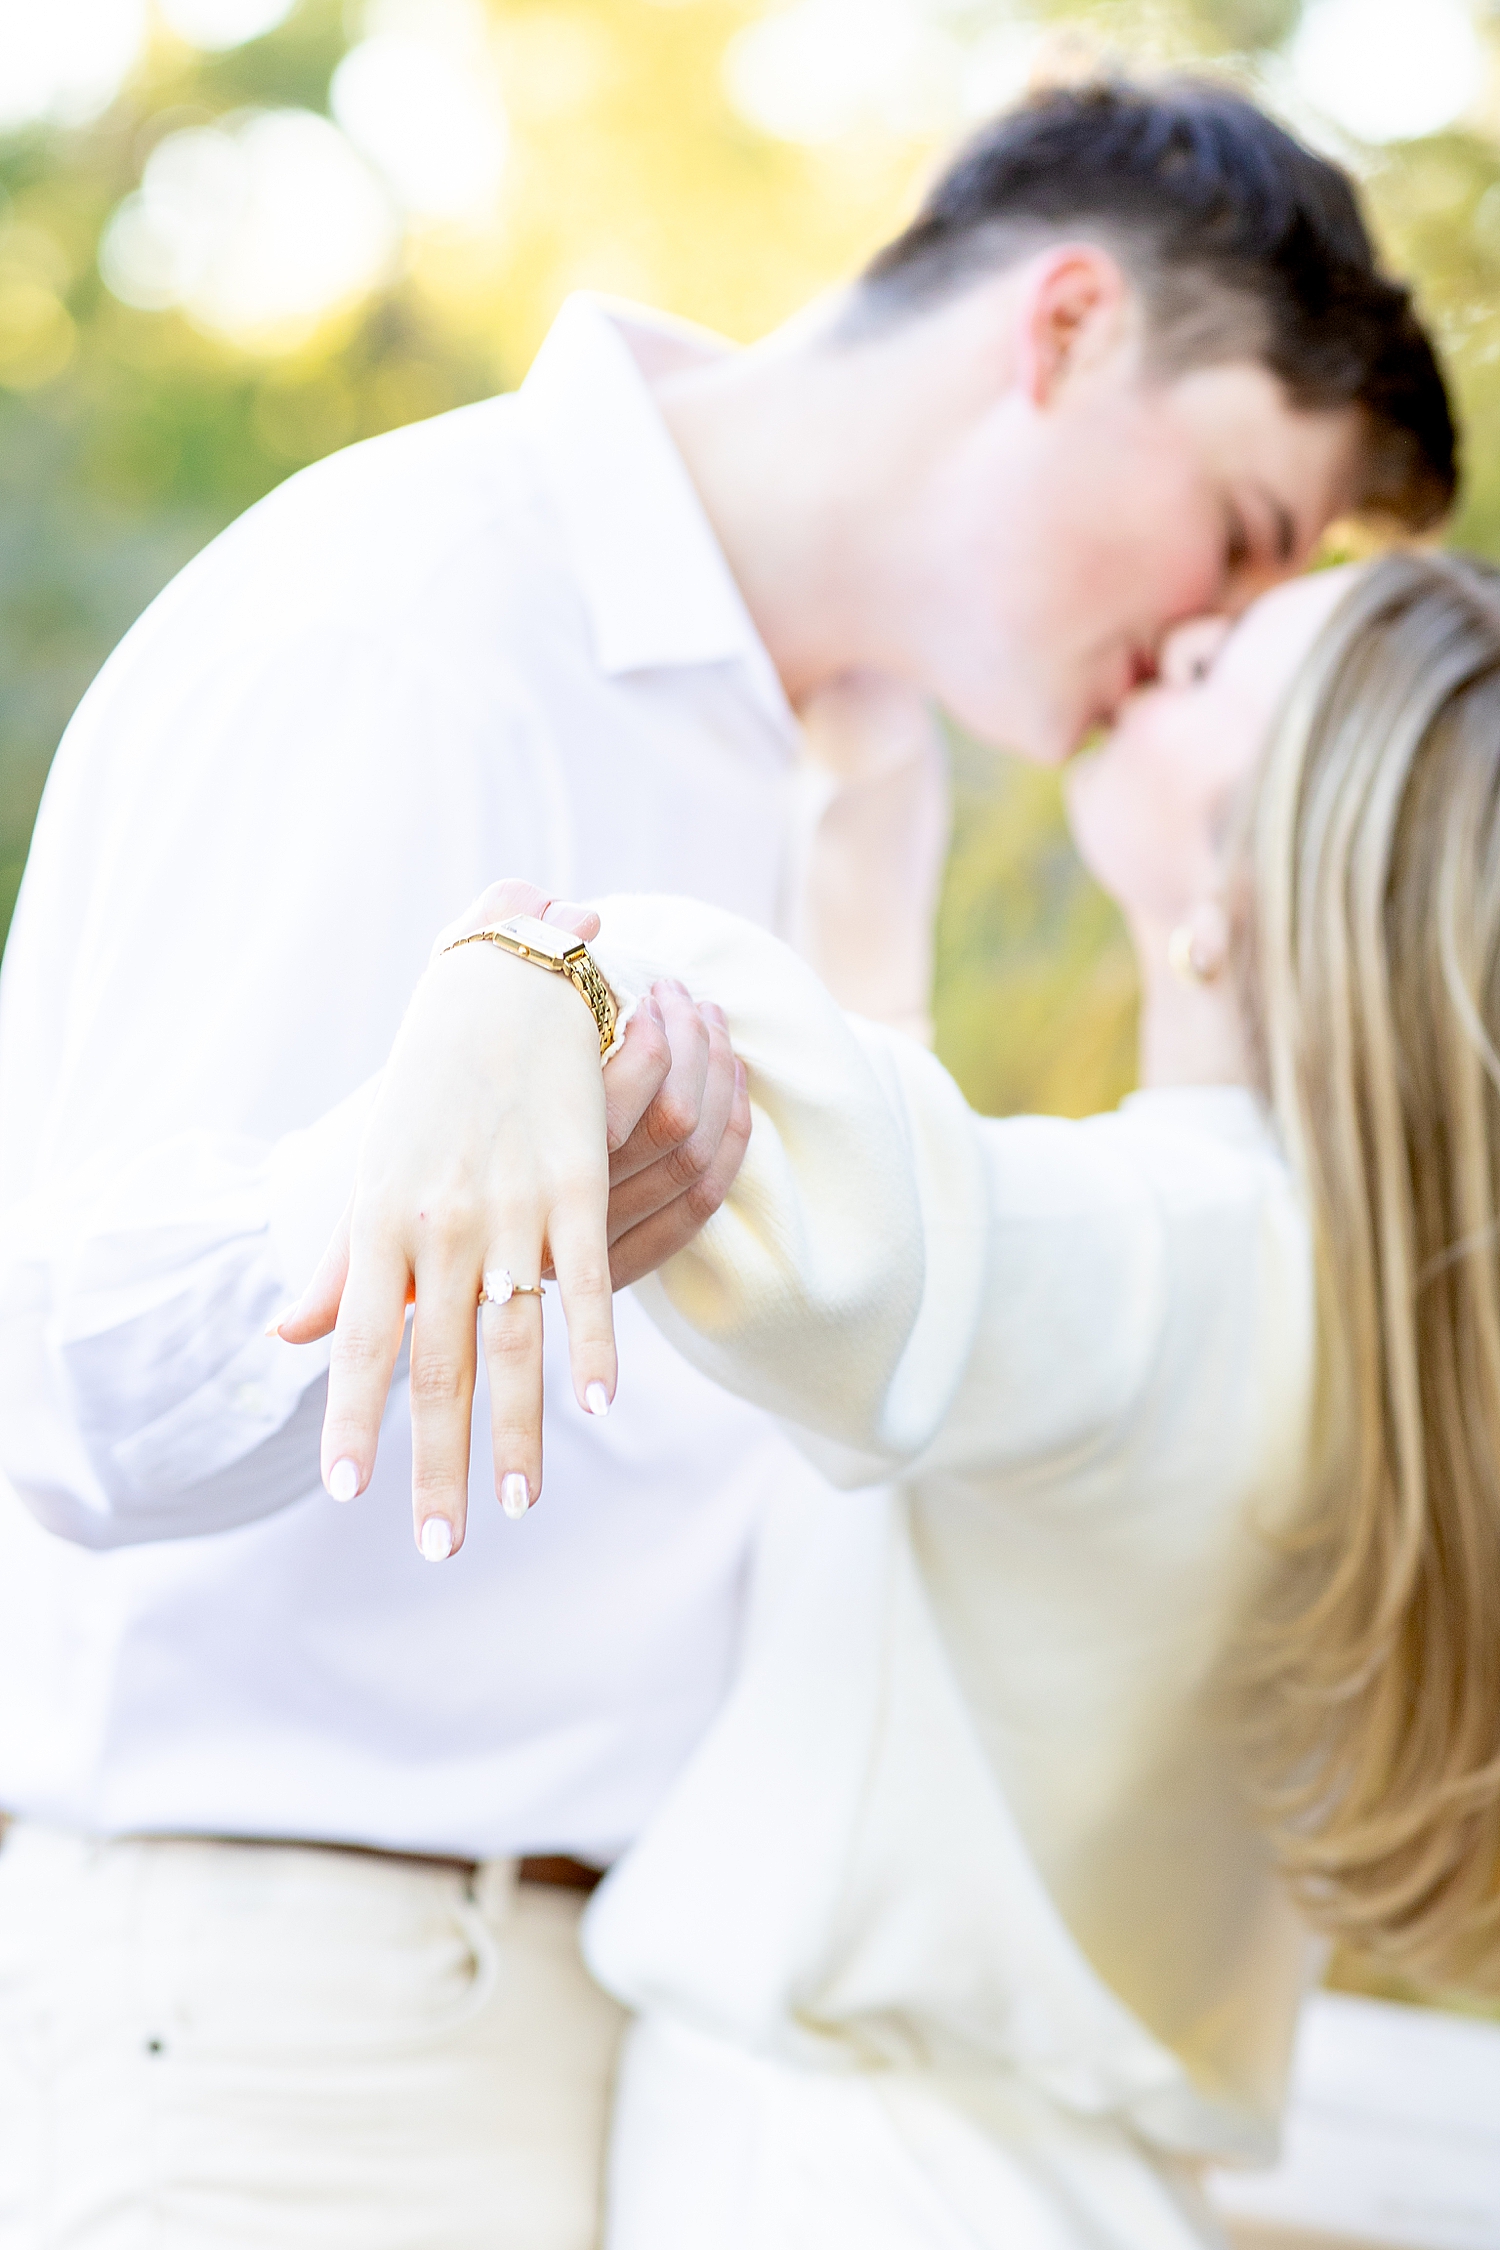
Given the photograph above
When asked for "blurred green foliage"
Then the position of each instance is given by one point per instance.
(1035, 1002)
(128, 437)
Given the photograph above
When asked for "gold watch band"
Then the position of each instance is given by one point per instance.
(557, 950)
(582, 972)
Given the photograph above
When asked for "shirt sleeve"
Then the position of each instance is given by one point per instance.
(186, 1062)
(907, 1283)
(265, 809)
(141, 1396)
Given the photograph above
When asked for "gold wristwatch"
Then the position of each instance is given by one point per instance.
(558, 950)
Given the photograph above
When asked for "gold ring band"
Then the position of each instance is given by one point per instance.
(499, 1288)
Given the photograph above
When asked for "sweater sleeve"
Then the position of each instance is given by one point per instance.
(896, 1277)
(237, 871)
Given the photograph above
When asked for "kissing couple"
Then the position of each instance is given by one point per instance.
(1005, 1591)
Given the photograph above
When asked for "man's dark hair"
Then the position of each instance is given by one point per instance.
(1243, 244)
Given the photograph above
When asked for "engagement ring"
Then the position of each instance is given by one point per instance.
(499, 1288)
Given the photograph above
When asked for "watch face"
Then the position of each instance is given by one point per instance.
(539, 938)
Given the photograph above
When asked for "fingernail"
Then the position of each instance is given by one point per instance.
(273, 1327)
(437, 1539)
(651, 1007)
(596, 1399)
(343, 1480)
(515, 1493)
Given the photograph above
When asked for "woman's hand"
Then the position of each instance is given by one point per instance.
(493, 1147)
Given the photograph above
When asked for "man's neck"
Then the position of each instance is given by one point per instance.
(754, 432)
(814, 459)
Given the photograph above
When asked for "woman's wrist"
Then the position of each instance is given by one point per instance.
(554, 952)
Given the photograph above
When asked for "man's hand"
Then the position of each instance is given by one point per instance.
(676, 1141)
(497, 1145)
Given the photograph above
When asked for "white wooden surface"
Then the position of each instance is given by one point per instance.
(1392, 2138)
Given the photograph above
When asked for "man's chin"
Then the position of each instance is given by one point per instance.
(1042, 735)
(1054, 737)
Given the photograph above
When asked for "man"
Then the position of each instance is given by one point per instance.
(1125, 366)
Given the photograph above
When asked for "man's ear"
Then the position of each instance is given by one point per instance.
(1073, 312)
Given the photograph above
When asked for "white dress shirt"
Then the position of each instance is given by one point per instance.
(955, 1930)
(504, 641)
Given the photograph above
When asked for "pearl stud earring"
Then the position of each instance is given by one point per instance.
(1198, 948)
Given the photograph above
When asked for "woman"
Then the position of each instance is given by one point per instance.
(975, 1919)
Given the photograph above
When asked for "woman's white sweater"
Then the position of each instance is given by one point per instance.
(955, 1931)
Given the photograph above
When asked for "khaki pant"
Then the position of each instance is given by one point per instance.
(213, 2044)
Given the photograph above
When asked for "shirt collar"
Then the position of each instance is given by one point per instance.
(653, 577)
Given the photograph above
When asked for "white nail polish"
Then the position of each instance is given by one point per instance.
(515, 1493)
(273, 1327)
(437, 1539)
(343, 1480)
(596, 1399)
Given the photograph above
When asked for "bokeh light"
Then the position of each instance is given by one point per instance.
(420, 98)
(822, 68)
(1388, 70)
(63, 61)
(219, 24)
(1000, 65)
(257, 227)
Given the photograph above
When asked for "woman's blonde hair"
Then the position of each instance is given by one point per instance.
(1373, 1661)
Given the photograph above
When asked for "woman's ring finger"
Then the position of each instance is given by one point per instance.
(499, 1286)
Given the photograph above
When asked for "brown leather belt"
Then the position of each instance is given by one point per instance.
(555, 1869)
(562, 1873)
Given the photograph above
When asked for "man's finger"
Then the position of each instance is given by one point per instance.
(683, 1167)
(582, 921)
(645, 1247)
(499, 901)
(672, 1116)
(635, 1076)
